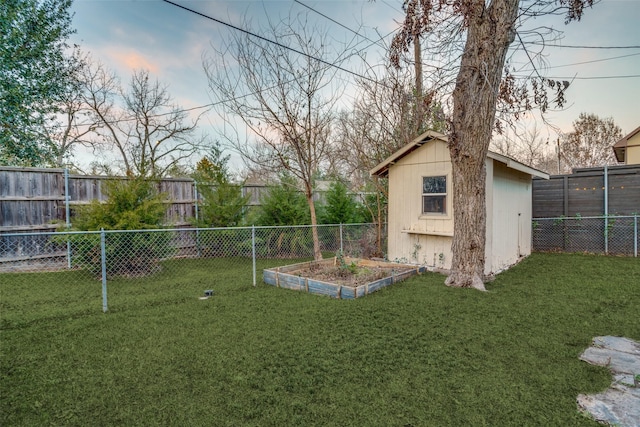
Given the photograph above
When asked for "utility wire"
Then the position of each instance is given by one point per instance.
(213, 104)
(589, 62)
(630, 76)
(337, 23)
(299, 52)
(528, 55)
(391, 6)
(585, 47)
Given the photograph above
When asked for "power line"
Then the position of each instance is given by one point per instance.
(595, 60)
(360, 35)
(587, 62)
(376, 42)
(630, 76)
(337, 23)
(528, 55)
(299, 52)
(352, 72)
(213, 104)
(392, 7)
(585, 47)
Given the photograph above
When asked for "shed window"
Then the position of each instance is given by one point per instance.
(434, 194)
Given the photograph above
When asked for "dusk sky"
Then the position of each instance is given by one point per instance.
(170, 42)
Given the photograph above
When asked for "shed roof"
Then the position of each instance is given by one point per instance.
(620, 147)
(382, 169)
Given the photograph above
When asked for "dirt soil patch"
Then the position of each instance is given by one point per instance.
(351, 274)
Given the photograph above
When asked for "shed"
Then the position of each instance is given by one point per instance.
(627, 150)
(420, 220)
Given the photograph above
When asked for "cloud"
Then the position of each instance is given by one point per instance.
(123, 58)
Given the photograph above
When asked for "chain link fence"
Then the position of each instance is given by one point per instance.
(614, 235)
(88, 258)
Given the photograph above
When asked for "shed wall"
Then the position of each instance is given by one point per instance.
(426, 239)
(633, 150)
(510, 225)
(415, 237)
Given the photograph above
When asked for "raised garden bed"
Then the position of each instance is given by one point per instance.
(354, 278)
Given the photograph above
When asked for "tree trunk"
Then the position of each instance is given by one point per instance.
(417, 53)
(378, 216)
(490, 32)
(317, 254)
(379, 227)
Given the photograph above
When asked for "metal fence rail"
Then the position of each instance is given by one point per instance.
(614, 235)
(107, 255)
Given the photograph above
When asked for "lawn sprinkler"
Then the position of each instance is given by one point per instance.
(208, 293)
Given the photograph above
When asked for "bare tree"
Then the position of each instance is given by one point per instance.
(149, 132)
(526, 145)
(363, 145)
(377, 125)
(387, 114)
(390, 110)
(590, 143)
(284, 99)
(485, 30)
(74, 123)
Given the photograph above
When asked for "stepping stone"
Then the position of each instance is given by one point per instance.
(620, 404)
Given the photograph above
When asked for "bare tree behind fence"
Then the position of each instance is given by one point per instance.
(91, 258)
(615, 235)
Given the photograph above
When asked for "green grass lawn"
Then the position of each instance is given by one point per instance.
(416, 353)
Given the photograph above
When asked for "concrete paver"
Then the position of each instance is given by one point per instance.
(619, 405)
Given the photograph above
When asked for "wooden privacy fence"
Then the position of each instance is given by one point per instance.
(612, 190)
(39, 199)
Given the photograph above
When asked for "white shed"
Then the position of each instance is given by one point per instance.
(420, 221)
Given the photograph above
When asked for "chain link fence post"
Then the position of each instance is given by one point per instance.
(605, 187)
(67, 213)
(253, 252)
(610, 235)
(635, 236)
(136, 255)
(103, 261)
(606, 234)
(197, 217)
